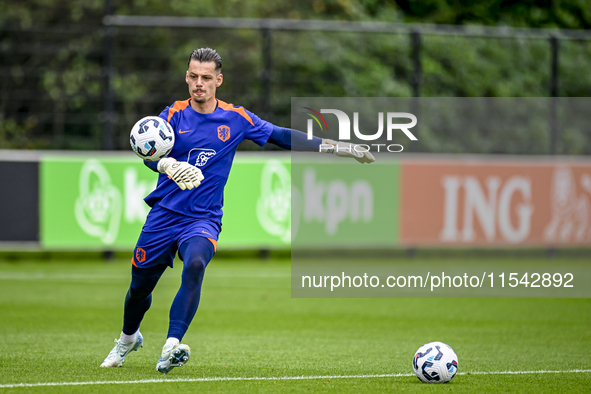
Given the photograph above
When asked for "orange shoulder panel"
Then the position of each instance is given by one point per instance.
(240, 110)
(178, 106)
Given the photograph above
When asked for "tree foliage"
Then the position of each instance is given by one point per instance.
(52, 57)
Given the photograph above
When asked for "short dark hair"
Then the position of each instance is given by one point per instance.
(206, 55)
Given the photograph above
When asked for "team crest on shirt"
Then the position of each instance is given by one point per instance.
(203, 155)
(224, 133)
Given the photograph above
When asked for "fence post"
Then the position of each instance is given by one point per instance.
(555, 47)
(416, 81)
(417, 72)
(267, 74)
(108, 115)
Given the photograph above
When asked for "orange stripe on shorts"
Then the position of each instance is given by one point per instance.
(215, 243)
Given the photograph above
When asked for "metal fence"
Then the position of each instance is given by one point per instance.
(82, 87)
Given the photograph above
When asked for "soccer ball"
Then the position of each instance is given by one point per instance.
(151, 138)
(435, 362)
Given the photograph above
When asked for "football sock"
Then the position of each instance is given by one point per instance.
(171, 341)
(196, 254)
(128, 338)
(139, 296)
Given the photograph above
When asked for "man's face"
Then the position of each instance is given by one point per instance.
(203, 81)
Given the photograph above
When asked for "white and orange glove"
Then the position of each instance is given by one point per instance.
(347, 149)
(185, 175)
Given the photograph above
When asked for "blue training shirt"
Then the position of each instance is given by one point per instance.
(208, 141)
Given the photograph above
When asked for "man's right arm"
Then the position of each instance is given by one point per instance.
(152, 165)
(182, 173)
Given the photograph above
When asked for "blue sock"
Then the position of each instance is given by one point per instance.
(196, 253)
(139, 296)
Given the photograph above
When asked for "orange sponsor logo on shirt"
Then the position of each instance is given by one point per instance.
(224, 133)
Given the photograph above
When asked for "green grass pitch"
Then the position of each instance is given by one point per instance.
(58, 320)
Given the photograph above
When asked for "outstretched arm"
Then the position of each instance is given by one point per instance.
(296, 140)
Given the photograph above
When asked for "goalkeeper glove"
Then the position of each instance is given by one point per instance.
(347, 149)
(182, 173)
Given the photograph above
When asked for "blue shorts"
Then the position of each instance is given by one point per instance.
(165, 231)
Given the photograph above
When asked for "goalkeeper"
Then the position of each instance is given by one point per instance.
(186, 206)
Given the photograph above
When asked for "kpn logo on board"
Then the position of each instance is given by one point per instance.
(388, 122)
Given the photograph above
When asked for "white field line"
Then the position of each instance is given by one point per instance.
(262, 378)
